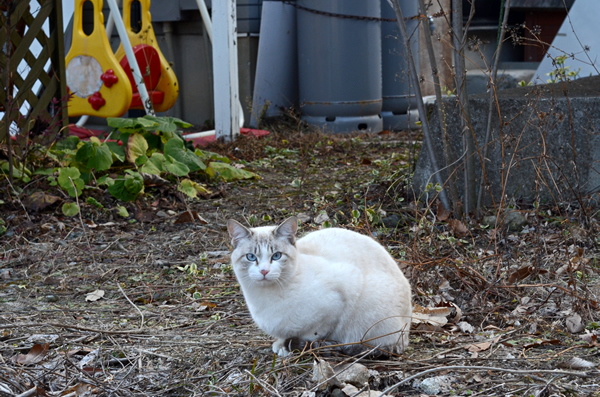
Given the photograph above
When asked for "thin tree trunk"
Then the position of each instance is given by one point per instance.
(488, 130)
(463, 96)
(421, 107)
(440, 103)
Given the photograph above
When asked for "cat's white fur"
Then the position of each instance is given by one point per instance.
(332, 284)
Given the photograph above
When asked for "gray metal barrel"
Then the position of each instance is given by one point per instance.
(398, 97)
(339, 64)
(248, 15)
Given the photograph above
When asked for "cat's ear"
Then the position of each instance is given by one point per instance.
(237, 232)
(287, 229)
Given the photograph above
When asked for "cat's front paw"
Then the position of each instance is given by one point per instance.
(280, 348)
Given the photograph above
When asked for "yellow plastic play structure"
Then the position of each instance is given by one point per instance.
(101, 83)
(167, 81)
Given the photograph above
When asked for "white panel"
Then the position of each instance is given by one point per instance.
(578, 32)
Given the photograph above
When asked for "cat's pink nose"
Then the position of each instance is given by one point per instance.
(264, 272)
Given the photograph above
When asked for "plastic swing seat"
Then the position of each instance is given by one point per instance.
(101, 82)
(148, 60)
(164, 82)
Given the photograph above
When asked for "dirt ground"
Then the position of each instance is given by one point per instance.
(147, 305)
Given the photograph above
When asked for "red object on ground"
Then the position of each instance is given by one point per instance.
(82, 132)
(86, 133)
(205, 140)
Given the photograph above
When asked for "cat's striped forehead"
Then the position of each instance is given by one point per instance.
(263, 237)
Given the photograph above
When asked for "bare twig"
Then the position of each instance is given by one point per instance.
(440, 104)
(69, 326)
(477, 368)
(488, 130)
(460, 37)
(132, 304)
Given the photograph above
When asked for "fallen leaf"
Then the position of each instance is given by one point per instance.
(191, 217)
(491, 328)
(478, 347)
(445, 285)
(466, 327)
(455, 312)
(366, 161)
(35, 355)
(47, 227)
(524, 272)
(574, 323)
(153, 180)
(520, 310)
(39, 200)
(81, 389)
(442, 213)
(540, 342)
(589, 337)
(436, 316)
(580, 363)
(201, 306)
(94, 296)
(458, 228)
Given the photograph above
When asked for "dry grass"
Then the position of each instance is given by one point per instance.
(172, 320)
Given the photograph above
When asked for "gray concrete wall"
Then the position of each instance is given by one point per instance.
(543, 147)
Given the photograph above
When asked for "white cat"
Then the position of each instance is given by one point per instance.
(332, 284)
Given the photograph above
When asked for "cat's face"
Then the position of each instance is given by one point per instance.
(264, 255)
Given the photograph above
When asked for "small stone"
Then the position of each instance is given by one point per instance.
(5, 274)
(51, 298)
(489, 221)
(324, 376)
(435, 385)
(574, 323)
(339, 393)
(322, 217)
(356, 374)
(392, 221)
(515, 221)
(303, 217)
(162, 214)
(466, 327)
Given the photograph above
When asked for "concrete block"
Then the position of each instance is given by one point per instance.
(544, 145)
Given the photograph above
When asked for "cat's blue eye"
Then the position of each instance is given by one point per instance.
(276, 256)
(251, 257)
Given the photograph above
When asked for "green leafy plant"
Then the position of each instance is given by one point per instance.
(69, 179)
(137, 152)
(122, 211)
(562, 72)
(70, 209)
(147, 145)
(94, 202)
